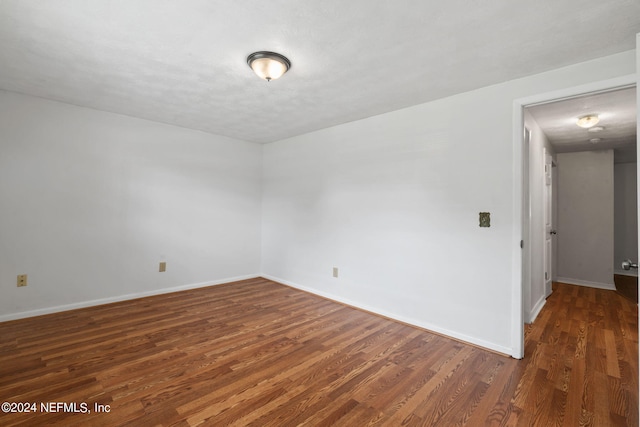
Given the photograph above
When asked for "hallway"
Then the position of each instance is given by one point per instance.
(582, 361)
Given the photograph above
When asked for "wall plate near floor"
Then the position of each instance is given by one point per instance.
(22, 280)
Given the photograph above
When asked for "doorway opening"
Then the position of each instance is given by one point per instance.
(540, 138)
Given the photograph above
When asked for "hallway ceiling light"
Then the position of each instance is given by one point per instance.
(596, 129)
(588, 121)
(268, 65)
(595, 140)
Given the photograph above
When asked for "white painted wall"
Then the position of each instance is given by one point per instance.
(93, 201)
(625, 215)
(585, 218)
(393, 202)
(534, 295)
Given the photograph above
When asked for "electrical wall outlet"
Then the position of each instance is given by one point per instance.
(22, 280)
(335, 271)
(163, 267)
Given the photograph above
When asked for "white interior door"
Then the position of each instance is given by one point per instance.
(548, 222)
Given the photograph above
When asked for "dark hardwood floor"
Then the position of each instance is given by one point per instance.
(262, 354)
(627, 286)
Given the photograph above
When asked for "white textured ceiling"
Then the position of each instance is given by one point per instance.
(616, 111)
(183, 62)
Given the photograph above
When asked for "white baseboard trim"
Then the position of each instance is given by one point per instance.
(533, 314)
(101, 301)
(633, 273)
(424, 325)
(580, 282)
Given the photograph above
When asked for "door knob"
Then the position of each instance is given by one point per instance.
(628, 265)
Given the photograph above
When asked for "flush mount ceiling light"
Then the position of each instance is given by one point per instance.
(596, 129)
(595, 140)
(588, 121)
(268, 65)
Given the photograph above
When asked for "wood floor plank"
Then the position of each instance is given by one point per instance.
(255, 352)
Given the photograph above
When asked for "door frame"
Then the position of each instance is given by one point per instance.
(521, 253)
(549, 225)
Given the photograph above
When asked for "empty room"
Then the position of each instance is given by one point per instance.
(316, 213)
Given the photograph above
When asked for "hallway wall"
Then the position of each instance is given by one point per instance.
(586, 218)
(625, 215)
